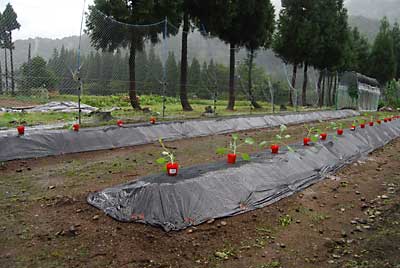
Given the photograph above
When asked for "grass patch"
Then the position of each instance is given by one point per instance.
(272, 264)
(285, 220)
(127, 113)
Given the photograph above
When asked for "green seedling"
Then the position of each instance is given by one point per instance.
(336, 125)
(279, 139)
(234, 145)
(167, 155)
(310, 130)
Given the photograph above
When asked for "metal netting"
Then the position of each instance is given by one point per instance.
(358, 92)
(98, 63)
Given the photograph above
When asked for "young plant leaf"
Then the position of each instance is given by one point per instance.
(283, 128)
(291, 149)
(235, 136)
(314, 138)
(161, 161)
(264, 143)
(288, 137)
(249, 141)
(221, 151)
(246, 157)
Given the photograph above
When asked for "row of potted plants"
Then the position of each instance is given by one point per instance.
(76, 127)
(281, 139)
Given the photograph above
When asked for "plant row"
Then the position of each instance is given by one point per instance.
(313, 134)
(232, 151)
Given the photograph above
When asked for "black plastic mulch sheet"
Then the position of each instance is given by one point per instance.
(57, 142)
(206, 192)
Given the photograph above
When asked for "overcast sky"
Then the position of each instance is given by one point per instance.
(50, 18)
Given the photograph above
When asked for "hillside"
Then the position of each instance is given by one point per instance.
(203, 49)
(365, 15)
(369, 27)
(375, 9)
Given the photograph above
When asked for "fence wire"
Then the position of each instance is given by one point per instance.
(112, 58)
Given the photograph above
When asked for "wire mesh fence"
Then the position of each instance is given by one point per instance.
(142, 63)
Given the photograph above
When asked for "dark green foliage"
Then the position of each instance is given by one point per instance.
(296, 37)
(329, 47)
(172, 75)
(109, 35)
(358, 52)
(396, 46)
(353, 89)
(194, 80)
(9, 23)
(36, 74)
(382, 59)
(258, 19)
(392, 94)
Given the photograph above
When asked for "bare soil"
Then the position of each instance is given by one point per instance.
(349, 220)
(12, 102)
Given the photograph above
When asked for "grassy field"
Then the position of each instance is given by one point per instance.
(125, 112)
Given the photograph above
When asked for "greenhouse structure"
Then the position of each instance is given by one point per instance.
(359, 92)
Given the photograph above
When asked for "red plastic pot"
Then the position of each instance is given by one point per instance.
(21, 130)
(306, 141)
(172, 169)
(390, 119)
(340, 132)
(323, 136)
(120, 123)
(353, 128)
(232, 159)
(275, 149)
(371, 124)
(362, 125)
(379, 122)
(153, 120)
(385, 120)
(76, 127)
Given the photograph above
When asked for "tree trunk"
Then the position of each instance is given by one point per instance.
(12, 67)
(321, 75)
(305, 81)
(6, 67)
(132, 78)
(29, 52)
(250, 85)
(184, 65)
(294, 76)
(322, 98)
(335, 89)
(231, 102)
(1, 80)
(329, 93)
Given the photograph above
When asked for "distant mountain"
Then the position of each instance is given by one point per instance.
(364, 14)
(368, 27)
(204, 49)
(375, 9)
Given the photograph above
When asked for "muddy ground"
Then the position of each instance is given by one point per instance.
(349, 220)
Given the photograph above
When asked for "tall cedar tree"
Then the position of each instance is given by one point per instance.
(382, 59)
(295, 37)
(224, 19)
(329, 48)
(358, 54)
(257, 28)
(172, 75)
(396, 43)
(189, 12)
(106, 34)
(9, 23)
